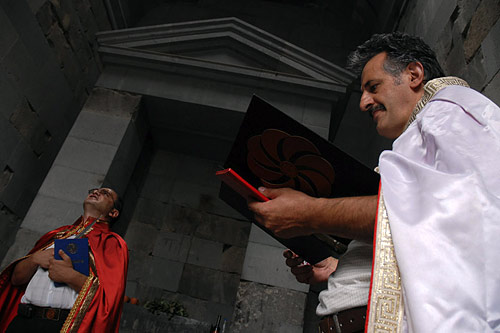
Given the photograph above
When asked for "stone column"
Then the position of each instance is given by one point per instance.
(101, 148)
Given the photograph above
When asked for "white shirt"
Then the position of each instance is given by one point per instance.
(349, 285)
(41, 291)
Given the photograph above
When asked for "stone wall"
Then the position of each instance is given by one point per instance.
(48, 66)
(185, 244)
(69, 28)
(465, 35)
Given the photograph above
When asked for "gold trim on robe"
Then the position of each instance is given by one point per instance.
(82, 302)
(386, 300)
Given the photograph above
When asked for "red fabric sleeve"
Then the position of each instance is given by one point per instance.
(111, 260)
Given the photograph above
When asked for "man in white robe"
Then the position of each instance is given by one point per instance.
(437, 216)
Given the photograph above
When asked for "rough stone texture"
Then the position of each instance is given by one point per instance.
(100, 14)
(150, 212)
(482, 21)
(76, 152)
(490, 48)
(9, 223)
(138, 319)
(26, 121)
(48, 66)
(172, 246)
(9, 35)
(232, 258)
(475, 71)
(165, 274)
(46, 212)
(224, 230)
(438, 13)
(209, 284)
(465, 8)
(205, 253)
(261, 308)
(203, 310)
(467, 42)
(24, 241)
(445, 44)
(141, 237)
(455, 62)
(492, 89)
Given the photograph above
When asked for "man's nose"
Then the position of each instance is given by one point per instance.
(366, 101)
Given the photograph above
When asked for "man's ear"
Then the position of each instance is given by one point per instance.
(416, 72)
(114, 213)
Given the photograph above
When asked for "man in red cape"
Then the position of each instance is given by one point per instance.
(99, 302)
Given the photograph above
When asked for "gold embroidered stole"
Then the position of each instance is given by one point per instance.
(88, 291)
(83, 301)
(386, 306)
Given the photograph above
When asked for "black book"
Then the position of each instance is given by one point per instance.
(273, 150)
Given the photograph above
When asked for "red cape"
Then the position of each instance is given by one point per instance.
(99, 304)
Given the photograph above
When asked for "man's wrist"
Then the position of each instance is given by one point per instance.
(313, 218)
(75, 280)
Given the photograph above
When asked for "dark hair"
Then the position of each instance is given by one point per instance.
(402, 49)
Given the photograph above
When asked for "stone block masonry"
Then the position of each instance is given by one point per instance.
(48, 67)
(188, 245)
(465, 36)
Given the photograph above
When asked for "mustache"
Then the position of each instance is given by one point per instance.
(374, 108)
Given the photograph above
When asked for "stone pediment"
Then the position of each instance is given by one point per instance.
(225, 49)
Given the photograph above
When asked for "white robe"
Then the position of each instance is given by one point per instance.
(441, 185)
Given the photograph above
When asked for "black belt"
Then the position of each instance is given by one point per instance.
(346, 321)
(33, 311)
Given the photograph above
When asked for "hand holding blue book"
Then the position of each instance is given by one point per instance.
(78, 250)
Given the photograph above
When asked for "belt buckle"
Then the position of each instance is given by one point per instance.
(332, 324)
(52, 314)
(337, 323)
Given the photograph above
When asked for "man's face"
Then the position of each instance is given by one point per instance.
(102, 200)
(390, 100)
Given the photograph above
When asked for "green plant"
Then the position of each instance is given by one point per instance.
(172, 308)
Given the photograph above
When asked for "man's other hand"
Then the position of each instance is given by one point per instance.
(310, 274)
(26, 268)
(42, 258)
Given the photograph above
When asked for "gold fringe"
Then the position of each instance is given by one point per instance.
(386, 300)
(82, 303)
(430, 89)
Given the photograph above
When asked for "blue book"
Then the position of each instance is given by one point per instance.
(78, 250)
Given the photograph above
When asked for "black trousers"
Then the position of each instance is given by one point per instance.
(22, 324)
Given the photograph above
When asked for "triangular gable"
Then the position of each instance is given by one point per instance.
(226, 45)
